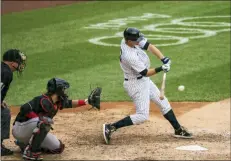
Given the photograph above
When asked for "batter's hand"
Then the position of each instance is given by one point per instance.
(166, 60)
(166, 67)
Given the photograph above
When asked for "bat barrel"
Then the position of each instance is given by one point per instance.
(162, 87)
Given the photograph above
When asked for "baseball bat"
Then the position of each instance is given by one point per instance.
(162, 87)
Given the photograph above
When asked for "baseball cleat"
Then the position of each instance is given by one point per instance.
(21, 145)
(28, 155)
(182, 133)
(107, 131)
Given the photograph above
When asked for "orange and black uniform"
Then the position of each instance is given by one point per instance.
(40, 106)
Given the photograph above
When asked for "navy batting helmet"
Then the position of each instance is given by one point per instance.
(133, 34)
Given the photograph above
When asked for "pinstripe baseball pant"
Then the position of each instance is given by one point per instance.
(141, 91)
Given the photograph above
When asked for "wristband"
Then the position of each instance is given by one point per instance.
(158, 69)
(81, 102)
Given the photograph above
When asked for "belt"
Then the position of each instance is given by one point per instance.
(136, 78)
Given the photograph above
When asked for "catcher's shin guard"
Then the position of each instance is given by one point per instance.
(33, 149)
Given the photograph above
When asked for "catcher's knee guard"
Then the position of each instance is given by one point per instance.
(39, 135)
(56, 151)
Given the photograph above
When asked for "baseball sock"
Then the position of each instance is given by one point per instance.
(124, 122)
(170, 116)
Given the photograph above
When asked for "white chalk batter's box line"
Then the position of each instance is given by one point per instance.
(186, 26)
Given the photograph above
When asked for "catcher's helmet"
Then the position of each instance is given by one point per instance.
(133, 34)
(57, 86)
(15, 55)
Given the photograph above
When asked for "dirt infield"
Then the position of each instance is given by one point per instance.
(8, 6)
(81, 131)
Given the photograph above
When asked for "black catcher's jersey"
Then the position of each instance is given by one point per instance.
(6, 79)
(40, 105)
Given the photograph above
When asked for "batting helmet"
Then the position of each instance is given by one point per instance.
(133, 34)
(15, 55)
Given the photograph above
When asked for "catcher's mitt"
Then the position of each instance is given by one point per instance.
(94, 97)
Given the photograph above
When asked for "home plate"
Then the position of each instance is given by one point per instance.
(191, 148)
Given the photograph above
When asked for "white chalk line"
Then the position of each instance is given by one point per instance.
(203, 33)
(119, 22)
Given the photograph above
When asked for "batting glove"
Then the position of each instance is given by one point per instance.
(166, 67)
(166, 60)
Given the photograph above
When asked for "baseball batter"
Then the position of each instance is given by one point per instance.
(135, 64)
(34, 121)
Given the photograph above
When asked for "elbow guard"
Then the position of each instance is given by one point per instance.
(144, 72)
(146, 46)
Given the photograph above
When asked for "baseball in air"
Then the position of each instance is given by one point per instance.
(181, 88)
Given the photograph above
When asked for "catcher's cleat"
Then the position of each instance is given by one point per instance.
(21, 145)
(107, 131)
(28, 155)
(183, 133)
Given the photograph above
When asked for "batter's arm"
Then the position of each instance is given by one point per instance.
(145, 45)
(150, 72)
(153, 71)
(155, 51)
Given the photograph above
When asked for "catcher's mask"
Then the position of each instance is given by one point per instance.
(58, 86)
(15, 55)
(133, 34)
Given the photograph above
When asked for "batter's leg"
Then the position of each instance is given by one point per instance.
(167, 112)
(139, 93)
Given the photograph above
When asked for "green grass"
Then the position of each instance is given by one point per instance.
(56, 43)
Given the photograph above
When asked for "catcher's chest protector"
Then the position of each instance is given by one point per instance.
(41, 105)
(47, 107)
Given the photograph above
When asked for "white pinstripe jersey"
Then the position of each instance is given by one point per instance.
(133, 60)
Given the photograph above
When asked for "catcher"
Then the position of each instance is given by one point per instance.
(34, 121)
